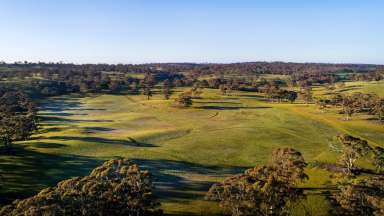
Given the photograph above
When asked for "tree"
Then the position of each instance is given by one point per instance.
(336, 99)
(360, 197)
(322, 103)
(292, 96)
(290, 83)
(223, 89)
(306, 94)
(288, 164)
(134, 88)
(114, 86)
(148, 83)
(348, 107)
(263, 190)
(272, 89)
(184, 100)
(196, 90)
(353, 149)
(378, 158)
(18, 118)
(147, 91)
(378, 109)
(166, 89)
(118, 187)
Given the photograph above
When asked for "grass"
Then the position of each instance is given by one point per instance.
(186, 149)
(375, 87)
(367, 87)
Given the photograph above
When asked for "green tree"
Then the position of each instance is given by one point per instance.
(263, 190)
(223, 89)
(353, 149)
(322, 103)
(348, 107)
(118, 187)
(288, 164)
(359, 197)
(166, 89)
(148, 82)
(134, 88)
(18, 118)
(378, 109)
(378, 158)
(291, 96)
(306, 94)
(196, 90)
(184, 100)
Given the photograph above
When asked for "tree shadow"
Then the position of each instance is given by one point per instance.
(59, 104)
(51, 120)
(350, 88)
(231, 108)
(26, 172)
(62, 114)
(50, 129)
(47, 145)
(216, 102)
(127, 142)
(251, 96)
(172, 182)
(337, 168)
(97, 129)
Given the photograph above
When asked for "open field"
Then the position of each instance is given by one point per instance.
(375, 87)
(185, 149)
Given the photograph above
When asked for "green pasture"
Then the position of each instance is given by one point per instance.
(186, 149)
(376, 87)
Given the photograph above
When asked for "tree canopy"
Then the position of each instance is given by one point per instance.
(118, 187)
(263, 190)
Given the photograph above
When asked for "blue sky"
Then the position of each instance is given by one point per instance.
(143, 31)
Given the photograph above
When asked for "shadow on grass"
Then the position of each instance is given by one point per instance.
(26, 172)
(47, 145)
(261, 97)
(128, 142)
(62, 114)
(60, 104)
(350, 88)
(172, 181)
(51, 129)
(231, 108)
(51, 120)
(57, 106)
(98, 129)
(216, 102)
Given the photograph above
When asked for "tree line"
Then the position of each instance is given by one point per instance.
(355, 103)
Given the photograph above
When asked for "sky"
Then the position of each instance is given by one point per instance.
(215, 31)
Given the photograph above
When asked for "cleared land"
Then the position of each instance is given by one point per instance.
(185, 149)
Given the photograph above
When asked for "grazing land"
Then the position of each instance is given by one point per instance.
(186, 149)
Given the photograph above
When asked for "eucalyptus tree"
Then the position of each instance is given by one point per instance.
(263, 190)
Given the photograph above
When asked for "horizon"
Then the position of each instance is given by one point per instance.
(181, 62)
(219, 32)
